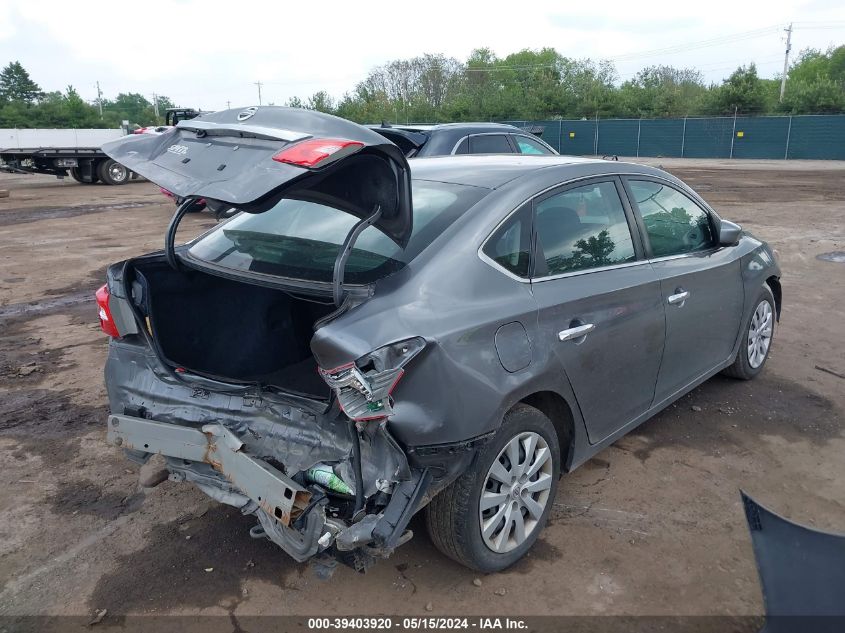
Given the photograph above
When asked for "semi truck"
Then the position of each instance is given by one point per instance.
(74, 152)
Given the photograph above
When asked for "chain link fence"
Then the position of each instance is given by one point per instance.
(779, 137)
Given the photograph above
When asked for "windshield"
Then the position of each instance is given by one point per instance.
(301, 240)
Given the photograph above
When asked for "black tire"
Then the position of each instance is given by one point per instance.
(743, 368)
(78, 177)
(113, 173)
(453, 517)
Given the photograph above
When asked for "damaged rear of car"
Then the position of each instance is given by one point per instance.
(213, 361)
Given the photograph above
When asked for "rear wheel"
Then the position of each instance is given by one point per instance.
(758, 331)
(491, 515)
(112, 173)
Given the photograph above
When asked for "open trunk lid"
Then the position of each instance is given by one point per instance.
(249, 158)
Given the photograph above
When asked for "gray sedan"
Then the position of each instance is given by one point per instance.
(370, 337)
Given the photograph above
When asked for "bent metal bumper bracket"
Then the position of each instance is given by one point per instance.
(276, 493)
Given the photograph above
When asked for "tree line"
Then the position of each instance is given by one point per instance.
(527, 85)
(23, 104)
(534, 85)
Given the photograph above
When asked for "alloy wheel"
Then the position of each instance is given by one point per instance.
(760, 334)
(516, 492)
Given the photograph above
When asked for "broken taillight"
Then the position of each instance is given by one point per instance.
(363, 388)
(104, 312)
(316, 152)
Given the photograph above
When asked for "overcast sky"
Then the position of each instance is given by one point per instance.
(203, 53)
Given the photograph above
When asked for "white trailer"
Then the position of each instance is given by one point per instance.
(62, 152)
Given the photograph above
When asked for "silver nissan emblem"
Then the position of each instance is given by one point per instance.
(243, 115)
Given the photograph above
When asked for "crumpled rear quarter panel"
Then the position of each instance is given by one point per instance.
(270, 427)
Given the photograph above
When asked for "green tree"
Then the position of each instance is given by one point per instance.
(743, 92)
(321, 101)
(823, 96)
(661, 91)
(816, 82)
(16, 85)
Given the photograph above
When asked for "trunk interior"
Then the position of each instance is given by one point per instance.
(232, 330)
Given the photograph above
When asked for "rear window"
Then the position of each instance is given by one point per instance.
(301, 240)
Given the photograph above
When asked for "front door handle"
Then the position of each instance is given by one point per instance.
(576, 332)
(678, 298)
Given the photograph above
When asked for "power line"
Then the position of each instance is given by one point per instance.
(715, 41)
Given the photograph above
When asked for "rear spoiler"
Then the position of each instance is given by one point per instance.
(409, 142)
(208, 128)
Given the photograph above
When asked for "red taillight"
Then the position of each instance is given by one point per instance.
(363, 396)
(106, 320)
(314, 151)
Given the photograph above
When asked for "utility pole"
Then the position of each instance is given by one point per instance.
(228, 105)
(786, 61)
(259, 84)
(155, 104)
(100, 99)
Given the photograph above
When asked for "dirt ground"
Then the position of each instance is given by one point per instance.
(652, 526)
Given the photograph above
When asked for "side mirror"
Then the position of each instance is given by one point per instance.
(729, 233)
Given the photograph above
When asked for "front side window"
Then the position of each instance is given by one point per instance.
(489, 144)
(528, 145)
(674, 223)
(301, 240)
(583, 228)
(510, 246)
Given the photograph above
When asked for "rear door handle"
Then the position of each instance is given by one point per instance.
(678, 298)
(576, 332)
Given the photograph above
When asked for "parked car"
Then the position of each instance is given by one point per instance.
(381, 336)
(463, 138)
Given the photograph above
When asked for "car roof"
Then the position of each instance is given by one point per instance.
(490, 170)
(481, 125)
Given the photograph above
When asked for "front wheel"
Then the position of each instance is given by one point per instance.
(759, 330)
(112, 173)
(490, 516)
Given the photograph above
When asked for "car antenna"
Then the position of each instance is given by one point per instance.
(345, 250)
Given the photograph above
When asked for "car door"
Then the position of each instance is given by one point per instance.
(600, 306)
(700, 282)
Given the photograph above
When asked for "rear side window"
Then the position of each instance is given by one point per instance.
(673, 222)
(463, 147)
(583, 228)
(509, 246)
(489, 144)
(528, 145)
(301, 240)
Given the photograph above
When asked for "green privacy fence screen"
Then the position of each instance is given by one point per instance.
(807, 136)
